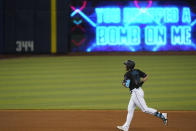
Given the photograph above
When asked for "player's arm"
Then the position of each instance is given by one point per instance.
(124, 81)
(124, 84)
(143, 76)
(126, 77)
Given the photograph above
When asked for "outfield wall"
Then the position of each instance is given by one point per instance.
(1, 25)
(62, 26)
(30, 26)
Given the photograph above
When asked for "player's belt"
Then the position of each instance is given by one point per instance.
(133, 89)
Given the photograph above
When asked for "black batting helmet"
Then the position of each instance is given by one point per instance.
(130, 64)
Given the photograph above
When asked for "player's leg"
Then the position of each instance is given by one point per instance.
(141, 103)
(138, 98)
(162, 116)
(131, 109)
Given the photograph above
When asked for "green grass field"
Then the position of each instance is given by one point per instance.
(94, 82)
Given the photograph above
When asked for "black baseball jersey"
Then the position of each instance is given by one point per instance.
(134, 77)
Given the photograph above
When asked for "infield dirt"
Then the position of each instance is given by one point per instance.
(92, 120)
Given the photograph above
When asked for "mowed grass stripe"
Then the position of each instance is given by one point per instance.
(94, 82)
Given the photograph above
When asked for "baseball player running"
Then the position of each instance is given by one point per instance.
(133, 79)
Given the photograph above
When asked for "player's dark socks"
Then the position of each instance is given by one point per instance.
(159, 115)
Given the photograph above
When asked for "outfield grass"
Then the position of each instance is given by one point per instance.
(94, 82)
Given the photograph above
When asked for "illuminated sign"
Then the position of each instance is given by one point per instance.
(134, 28)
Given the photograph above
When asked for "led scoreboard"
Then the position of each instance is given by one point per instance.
(133, 26)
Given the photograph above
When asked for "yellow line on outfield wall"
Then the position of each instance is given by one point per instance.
(53, 27)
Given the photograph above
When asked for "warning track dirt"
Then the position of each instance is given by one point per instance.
(92, 120)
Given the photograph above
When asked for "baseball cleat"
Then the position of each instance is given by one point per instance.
(122, 128)
(165, 118)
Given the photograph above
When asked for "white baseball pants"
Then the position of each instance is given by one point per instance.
(137, 99)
